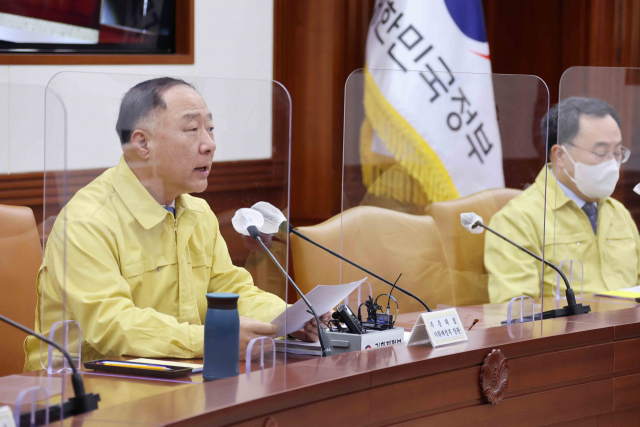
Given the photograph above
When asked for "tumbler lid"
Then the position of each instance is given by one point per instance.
(222, 300)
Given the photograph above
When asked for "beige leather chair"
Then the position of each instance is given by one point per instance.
(20, 258)
(387, 243)
(465, 251)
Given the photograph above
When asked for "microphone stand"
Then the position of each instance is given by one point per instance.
(302, 236)
(80, 404)
(325, 343)
(572, 308)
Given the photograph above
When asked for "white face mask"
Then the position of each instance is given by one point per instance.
(595, 181)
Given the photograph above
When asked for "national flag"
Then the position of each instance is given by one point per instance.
(430, 133)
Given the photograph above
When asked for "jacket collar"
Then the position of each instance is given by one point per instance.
(146, 210)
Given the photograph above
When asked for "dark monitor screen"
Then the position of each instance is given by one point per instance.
(87, 26)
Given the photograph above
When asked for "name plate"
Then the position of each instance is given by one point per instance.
(438, 328)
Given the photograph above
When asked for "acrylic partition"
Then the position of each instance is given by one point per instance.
(593, 204)
(21, 249)
(422, 148)
(129, 255)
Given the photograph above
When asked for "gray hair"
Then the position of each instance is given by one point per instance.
(138, 103)
(569, 120)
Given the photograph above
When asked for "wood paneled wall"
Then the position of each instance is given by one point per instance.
(546, 37)
(318, 43)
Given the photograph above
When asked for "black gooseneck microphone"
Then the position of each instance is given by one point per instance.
(81, 403)
(572, 308)
(302, 236)
(325, 343)
(276, 219)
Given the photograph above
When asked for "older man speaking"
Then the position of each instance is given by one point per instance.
(141, 253)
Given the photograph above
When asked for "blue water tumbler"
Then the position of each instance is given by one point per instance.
(221, 337)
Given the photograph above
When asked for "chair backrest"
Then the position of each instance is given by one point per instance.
(20, 259)
(465, 251)
(384, 241)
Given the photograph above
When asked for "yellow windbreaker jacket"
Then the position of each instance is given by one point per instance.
(610, 258)
(136, 278)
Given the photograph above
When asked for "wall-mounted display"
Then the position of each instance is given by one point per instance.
(88, 26)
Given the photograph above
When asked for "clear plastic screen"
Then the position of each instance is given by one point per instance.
(420, 149)
(132, 274)
(20, 247)
(593, 205)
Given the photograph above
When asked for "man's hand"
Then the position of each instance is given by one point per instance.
(310, 331)
(250, 329)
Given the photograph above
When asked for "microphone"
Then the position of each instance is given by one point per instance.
(80, 404)
(275, 218)
(470, 221)
(247, 221)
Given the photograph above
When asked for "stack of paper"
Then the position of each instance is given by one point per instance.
(626, 293)
(300, 347)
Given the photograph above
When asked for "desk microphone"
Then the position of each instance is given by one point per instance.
(275, 220)
(471, 222)
(80, 404)
(247, 221)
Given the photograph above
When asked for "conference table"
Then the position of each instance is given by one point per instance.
(576, 371)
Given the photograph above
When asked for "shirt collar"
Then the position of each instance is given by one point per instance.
(146, 210)
(567, 192)
(557, 199)
(170, 205)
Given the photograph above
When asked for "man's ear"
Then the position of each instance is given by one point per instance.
(557, 155)
(139, 141)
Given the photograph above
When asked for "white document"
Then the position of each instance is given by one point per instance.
(322, 298)
(634, 289)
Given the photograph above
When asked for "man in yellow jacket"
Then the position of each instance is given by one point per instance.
(141, 253)
(582, 221)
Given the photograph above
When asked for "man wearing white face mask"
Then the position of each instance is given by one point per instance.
(582, 221)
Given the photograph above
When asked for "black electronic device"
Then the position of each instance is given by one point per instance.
(335, 325)
(97, 27)
(376, 318)
(79, 404)
(572, 307)
(346, 316)
(124, 367)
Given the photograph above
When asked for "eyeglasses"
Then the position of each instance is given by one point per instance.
(621, 155)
